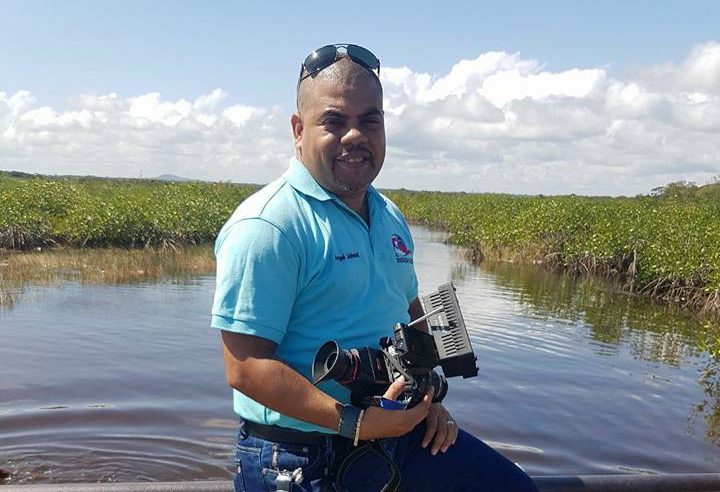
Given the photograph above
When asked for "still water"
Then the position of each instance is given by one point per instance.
(125, 382)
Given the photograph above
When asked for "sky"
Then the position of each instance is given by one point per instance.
(525, 97)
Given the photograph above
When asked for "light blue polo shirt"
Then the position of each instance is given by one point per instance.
(298, 267)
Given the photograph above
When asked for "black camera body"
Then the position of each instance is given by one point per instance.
(411, 353)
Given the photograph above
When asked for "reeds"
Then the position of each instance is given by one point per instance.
(47, 212)
(19, 269)
(663, 247)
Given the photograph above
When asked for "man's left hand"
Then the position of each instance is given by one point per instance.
(442, 430)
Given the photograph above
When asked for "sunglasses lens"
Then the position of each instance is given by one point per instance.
(327, 55)
(320, 58)
(363, 56)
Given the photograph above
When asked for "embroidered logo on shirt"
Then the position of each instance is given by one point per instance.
(402, 252)
(347, 256)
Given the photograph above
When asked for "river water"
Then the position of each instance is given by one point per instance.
(125, 382)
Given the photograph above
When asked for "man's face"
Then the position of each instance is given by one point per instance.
(340, 131)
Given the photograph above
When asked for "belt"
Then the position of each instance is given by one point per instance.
(275, 433)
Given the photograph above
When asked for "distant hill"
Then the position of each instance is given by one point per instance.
(24, 175)
(170, 177)
(16, 174)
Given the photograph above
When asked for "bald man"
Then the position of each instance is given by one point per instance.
(313, 257)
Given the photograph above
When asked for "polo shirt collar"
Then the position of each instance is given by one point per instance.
(300, 178)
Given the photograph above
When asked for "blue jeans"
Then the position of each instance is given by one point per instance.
(468, 465)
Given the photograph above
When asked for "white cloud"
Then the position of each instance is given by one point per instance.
(498, 122)
(576, 131)
(144, 136)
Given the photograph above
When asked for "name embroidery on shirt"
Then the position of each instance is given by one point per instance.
(402, 253)
(347, 256)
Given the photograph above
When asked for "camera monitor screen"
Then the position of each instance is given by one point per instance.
(451, 336)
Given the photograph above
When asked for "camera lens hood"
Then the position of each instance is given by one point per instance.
(330, 362)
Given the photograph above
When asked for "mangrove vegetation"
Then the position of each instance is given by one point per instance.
(664, 245)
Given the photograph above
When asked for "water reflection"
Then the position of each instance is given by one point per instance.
(617, 321)
(655, 333)
(575, 377)
(20, 270)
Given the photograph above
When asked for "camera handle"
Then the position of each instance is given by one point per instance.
(409, 380)
(426, 316)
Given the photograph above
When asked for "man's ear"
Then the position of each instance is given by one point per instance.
(297, 129)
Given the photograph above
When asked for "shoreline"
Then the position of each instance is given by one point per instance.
(621, 270)
(43, 266)
(112, 265)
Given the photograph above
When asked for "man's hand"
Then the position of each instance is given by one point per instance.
(379, 423)
(442, 430)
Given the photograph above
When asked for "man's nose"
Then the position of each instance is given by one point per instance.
(354, 135)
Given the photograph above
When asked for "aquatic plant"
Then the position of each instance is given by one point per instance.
(42, 211)
(664, 246)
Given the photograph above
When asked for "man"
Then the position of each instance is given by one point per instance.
(312, 257)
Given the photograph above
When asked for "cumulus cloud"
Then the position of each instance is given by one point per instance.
(104, 134)
(499, 122)
(503, 123)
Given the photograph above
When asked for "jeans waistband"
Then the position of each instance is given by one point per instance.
(276, 433)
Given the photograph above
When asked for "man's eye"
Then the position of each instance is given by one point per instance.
(372, 122)
(332, 122)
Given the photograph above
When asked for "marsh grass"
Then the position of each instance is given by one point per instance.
(43, 211)
(663, 246)
(20, 269)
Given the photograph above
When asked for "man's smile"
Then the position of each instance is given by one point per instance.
(352, 160)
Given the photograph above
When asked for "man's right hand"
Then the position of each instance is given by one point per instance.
(378, 423)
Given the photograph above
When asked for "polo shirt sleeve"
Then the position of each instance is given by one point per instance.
(257, 279)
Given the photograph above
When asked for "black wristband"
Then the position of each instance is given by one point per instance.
(348, 421)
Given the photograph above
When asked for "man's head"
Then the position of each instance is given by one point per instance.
(339, 128)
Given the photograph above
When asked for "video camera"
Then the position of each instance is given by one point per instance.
(410, 353)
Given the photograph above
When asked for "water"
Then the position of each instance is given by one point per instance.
(125, 382)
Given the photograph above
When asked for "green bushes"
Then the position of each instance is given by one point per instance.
(666, 245)
(41, 211)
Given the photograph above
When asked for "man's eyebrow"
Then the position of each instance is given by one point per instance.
(332, 112)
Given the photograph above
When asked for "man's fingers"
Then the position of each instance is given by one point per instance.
(420, 411)
(435, 414)
(451, 437)
(395, 389)
(442, 430)
(431, 427)
(440, 435)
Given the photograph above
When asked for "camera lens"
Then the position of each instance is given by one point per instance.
(331, 362)
(331, 358)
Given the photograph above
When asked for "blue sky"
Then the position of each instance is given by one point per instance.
(183, 50)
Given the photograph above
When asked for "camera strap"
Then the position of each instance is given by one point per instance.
(392, 485)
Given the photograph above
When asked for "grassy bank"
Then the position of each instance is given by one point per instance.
(666, 246)
(39, 212)
(19, 269)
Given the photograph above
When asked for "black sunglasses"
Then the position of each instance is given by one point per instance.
(323, 57)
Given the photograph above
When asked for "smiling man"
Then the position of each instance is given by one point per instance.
(317, 255)
(339, 131)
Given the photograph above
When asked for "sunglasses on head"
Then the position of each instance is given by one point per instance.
(323, 57)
